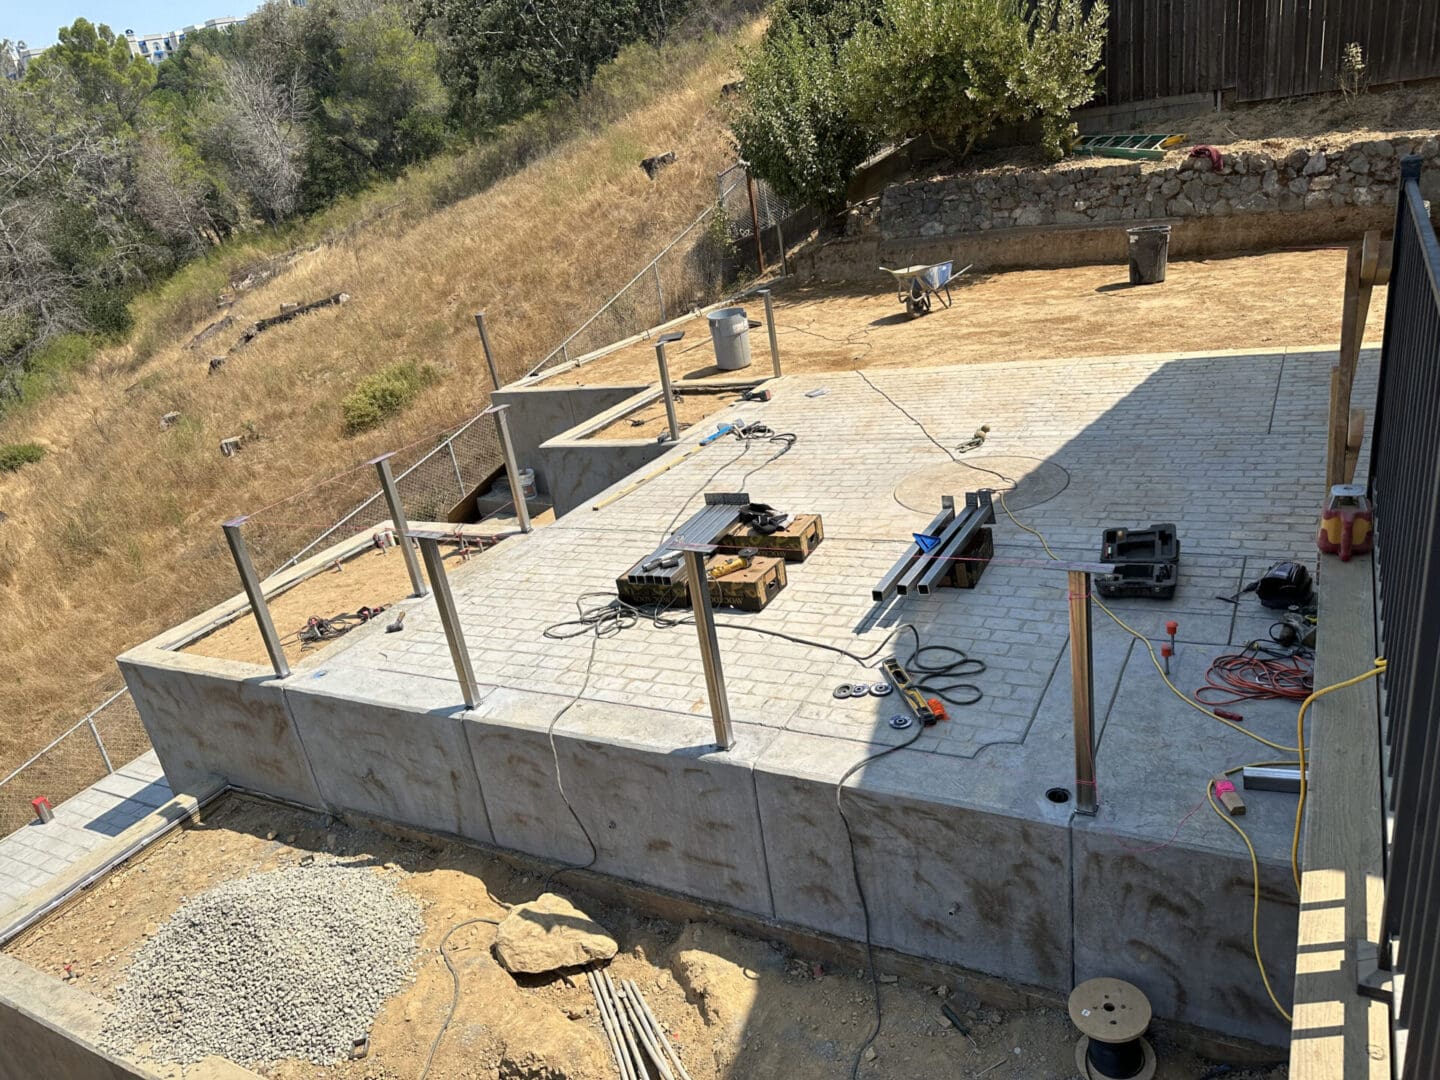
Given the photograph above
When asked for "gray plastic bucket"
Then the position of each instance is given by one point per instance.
(1149, 253)
(730, 334)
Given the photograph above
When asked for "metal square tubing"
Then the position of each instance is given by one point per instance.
(449, 618)
(1082, 690)
(891, 580)
(258, 606)
(402, 526)
(512, 467)
(665, 387)
(485, 344)
(770, 326)
(709, 643)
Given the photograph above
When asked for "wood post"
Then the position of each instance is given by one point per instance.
(1367, 265)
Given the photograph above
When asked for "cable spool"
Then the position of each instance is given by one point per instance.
(1111, 1016)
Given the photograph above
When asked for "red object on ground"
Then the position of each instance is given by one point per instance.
(1217, 159)
(1166, 651)
(1226, 714)
(938, 708)
(1172, 628)
(43, 809)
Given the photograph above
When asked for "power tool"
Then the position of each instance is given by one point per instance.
(731, 564)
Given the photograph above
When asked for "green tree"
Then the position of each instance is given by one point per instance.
(106, 77)
(796, 124)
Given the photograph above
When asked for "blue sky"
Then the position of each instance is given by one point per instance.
(35, 21)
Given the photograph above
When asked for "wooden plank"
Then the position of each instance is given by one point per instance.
(1175, 33)
(1337, 1034)
(1298, 48)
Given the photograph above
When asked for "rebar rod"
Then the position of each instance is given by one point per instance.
(655, 1026)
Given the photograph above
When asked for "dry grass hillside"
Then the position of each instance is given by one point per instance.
(115, 534)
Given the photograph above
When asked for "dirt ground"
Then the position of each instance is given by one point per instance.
(370, 579)
(735, 1007)
(691, 408)
(1248, 302)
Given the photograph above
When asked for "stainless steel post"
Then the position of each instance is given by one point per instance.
(258, 606)
(770, 326)
(1082, 690)
(709, 644)
(659, 292)
(512, 467)
(665, 387)
(402, 526)
(449, 617)
(485, 344)
(100, 744)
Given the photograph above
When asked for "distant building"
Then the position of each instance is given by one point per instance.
(158, 47)
(15, 57)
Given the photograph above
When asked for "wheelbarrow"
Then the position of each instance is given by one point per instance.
(916, 286)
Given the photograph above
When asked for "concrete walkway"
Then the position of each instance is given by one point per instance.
(35, 855)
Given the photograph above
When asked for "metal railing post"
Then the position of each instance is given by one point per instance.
(402, 526)
(659, 292)
(709, 644)
(1082, 689)
(770, 326)
(258, 605)
(100, 744)
(485, 344)
(666, 389)
(455, 464)
(449, 617)
(512, 467)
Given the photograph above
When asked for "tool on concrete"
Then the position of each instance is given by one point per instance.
(922, 571)
(397, 624)
(975, 441)
(881, 689)
(666, 560)
(731, 564)
(721, 511)
(819, 391)
(1147, 562)
(43, 810)
(901, 721)
(1347, 525)
(917, 286)
(1134, 147)
(842, 691)
(1226, 793)
(1284, 778)
(1112, 1016)
(722, 431)
(859, 689)
(1284, 585)
(1226, 714)
(900, 679)
(758, 393)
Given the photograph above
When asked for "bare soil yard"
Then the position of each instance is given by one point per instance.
(1253, 302)
(735, 1007)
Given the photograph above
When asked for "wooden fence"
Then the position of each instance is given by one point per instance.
(1262, 49)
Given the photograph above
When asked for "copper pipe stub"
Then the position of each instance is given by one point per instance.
(1111, 1016)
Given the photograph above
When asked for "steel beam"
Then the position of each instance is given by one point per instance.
(258, 606)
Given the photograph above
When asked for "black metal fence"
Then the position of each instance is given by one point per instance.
(1405, 486)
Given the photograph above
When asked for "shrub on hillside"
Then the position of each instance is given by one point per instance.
(796, 124)
(15, 455)
(380, 396)
(955, 70)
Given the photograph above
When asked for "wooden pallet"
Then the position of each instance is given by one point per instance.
(794, 543)
(965, 572)
(748, 590)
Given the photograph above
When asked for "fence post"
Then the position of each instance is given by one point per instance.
(258, 606)
(755, 221)
(1082, 690)
(512, 467)
(99, 743)
(485, 344)
(780, 239)
(449, 617)
(659, 292)
(665, 389)
(397, 518)
(770, 326)
(455, 464)
(709, 644)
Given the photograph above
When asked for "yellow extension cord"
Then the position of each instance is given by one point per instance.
(1298, 749)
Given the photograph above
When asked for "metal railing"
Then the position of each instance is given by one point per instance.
(1405, 488)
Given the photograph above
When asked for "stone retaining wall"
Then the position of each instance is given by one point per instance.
(1362, 174)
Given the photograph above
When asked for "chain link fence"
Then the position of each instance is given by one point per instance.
(748, 203)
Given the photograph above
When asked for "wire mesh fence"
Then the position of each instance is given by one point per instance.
(752, 209)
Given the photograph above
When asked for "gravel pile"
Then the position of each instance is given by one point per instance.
(289, 964)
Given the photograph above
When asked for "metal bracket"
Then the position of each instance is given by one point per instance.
(1371, 980)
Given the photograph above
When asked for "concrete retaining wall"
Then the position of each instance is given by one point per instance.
(539, 413)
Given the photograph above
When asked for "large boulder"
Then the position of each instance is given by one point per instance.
(547, 934)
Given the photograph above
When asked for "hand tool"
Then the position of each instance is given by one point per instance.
(722, 431)
(900, 679)
(733, 564)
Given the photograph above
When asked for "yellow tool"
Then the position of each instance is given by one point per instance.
(733, 564)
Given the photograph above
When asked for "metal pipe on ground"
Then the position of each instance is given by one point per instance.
(652, 1050)
(612, 1032)
(656, 1029)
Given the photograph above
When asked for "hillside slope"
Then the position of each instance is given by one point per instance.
(115, 534)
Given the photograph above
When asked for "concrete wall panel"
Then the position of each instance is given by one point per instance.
(393, 763)
(232, 723)
(581, 470)
(539, 413)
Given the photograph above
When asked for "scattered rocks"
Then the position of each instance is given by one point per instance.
(289, 964)
(169, 420)
(547, 934)
(653, 165)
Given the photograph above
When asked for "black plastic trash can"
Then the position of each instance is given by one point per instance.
(1149, 253)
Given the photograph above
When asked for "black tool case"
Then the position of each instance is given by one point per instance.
(1147, 562)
